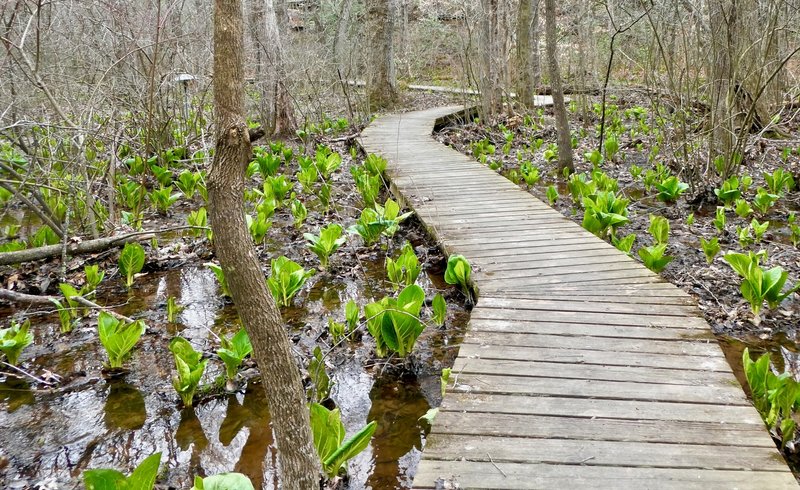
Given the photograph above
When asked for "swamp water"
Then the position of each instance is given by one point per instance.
(49, 436)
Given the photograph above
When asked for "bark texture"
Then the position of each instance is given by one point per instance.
(381, 83)
(527, 74)
(562, 124)
(298, 465)
(268, 33)
(491, 96)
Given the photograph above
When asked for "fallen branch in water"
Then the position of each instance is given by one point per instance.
(36, 299)
(85, 247)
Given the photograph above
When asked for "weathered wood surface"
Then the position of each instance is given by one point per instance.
(580, 367)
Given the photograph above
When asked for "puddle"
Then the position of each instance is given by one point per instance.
(90, 422)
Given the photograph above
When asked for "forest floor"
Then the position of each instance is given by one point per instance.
(127, 415)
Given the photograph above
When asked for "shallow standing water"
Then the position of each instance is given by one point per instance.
(51, 436)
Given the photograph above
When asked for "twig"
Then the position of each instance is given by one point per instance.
(26, 373)
(498, 468)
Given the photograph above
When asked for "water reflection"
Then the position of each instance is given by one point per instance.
(124, 408)
(15, 393)
(397, 406)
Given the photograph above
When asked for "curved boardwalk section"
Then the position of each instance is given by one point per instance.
(581, 368)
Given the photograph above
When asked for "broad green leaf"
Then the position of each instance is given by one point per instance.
(223, 481)
(349, 449)
(103, 479)
(131, 261)
(439, 310)
(144, 476)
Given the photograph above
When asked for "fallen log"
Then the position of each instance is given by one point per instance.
(85, 247)
(77, 248)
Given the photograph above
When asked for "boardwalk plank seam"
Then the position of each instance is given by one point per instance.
(540, 361)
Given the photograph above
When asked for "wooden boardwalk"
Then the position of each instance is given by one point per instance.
(580, 368)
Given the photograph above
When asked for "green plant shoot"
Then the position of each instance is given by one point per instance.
(710, 248)
(659, 228)
(329, 432)
(142, 478)
(458, 273)
(439, 306)
(118, 338)
(131, 261)
(330, 239)
(14, 339)
(405, 270)
(190, 367)
(654, 258)
(232, 351)
(286, 278)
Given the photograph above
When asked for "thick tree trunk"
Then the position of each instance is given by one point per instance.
(340, 40)
(722, 67)
(298, 463)
(268, 33)
(527, 69)
(491, 100)
(562, 125)
(381, 83)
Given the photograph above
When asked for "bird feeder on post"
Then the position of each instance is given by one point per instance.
(184, 79)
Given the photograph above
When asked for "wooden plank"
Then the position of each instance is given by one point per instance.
(546, 426)
(632, 276)
(569, 329)
(601, 453)
(673, 347)
(610, 409)
(480, 475)
(595, 318)
(593, 357)
(481, 384)
(599, 297)
(530, 368)
(577, 305)
(532, 271)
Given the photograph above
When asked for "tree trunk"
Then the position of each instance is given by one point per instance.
(298, 463)
(722, 20)
(491, 100)
(527, 73)
(562, 125)
(381, 83)
(267, 33)
(340, 40)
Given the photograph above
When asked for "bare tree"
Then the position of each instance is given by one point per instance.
(527, 63)
(491, 95)
(381, 83)
(562, 125)
(237, 255)
(268, 34)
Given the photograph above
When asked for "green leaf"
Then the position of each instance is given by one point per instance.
(117, 337)
(624, 244)
(131, 261)
(144, 476)
(439, 310)
(659, 228)
(14, 339)
(327, 429)
(223, 481)
(103, 479)
(458, 272)
(349, 449)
